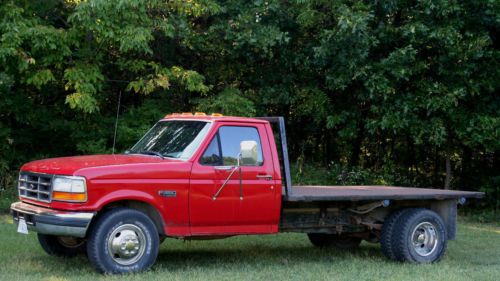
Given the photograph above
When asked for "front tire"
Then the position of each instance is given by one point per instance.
(419, 237)
(123, 240)
(61, 246)
(344, 242)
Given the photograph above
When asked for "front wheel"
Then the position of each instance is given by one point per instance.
(61, 246)
(419, 236)
(123, 240)
(344, 242)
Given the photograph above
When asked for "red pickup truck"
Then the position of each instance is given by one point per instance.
(194, 176)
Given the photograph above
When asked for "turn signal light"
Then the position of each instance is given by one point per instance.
(68, 196)
(191, 114)
(172, 115)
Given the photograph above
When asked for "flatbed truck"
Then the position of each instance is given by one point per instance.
(198, 176)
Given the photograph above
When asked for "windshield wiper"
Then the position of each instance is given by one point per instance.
(171, 155)
(150, 152)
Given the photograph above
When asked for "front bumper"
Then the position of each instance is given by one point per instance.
(52, 222)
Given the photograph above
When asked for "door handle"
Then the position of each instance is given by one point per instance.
(266, 177)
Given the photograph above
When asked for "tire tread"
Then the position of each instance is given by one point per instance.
(98, 231)
(387, 233)
(401, 231)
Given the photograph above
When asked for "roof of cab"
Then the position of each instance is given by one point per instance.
(213, 118)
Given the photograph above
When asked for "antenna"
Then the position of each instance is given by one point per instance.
(116, 120)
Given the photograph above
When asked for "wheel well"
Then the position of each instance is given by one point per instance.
(146, 208)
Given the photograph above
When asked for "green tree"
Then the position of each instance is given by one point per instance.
(406, 91)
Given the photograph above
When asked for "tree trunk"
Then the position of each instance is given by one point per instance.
(356, 146)
(449, 175)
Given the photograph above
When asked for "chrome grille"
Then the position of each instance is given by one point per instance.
(35, 186)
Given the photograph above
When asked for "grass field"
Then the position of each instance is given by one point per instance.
(475, 255)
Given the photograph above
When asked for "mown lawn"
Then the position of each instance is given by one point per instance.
(475, 255)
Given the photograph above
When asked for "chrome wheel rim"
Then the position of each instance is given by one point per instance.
(424, 239)
(127, 244)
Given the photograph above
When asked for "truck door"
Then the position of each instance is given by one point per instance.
(225, 198)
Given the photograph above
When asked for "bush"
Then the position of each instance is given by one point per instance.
(339, 174)
(8, 191)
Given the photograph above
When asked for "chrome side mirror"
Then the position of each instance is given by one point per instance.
(248, 156)
(248, 153)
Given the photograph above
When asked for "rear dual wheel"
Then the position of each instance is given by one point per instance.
(414, 235)
(386, 234)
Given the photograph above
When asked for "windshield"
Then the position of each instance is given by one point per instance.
(173, 139)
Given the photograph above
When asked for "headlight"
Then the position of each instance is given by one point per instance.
(70, 189)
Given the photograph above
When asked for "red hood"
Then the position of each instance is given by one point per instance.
(69, 165)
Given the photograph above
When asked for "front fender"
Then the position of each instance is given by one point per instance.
(127, 195)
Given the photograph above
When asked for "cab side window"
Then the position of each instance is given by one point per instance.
(224, 148)
(231, 137)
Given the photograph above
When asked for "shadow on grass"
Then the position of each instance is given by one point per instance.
(182, 259)
(189, 259)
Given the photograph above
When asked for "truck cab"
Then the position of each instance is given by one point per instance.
(194, 176)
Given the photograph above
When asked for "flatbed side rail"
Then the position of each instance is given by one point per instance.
(280, 121)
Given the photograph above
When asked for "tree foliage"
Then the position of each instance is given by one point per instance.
(393, 87)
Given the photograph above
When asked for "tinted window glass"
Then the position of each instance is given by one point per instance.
(175, 139)
(231, 137)
(211, 156)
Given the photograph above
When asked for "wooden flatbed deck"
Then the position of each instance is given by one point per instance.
(374, 192)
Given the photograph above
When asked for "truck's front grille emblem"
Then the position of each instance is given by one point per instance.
(35, 186)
